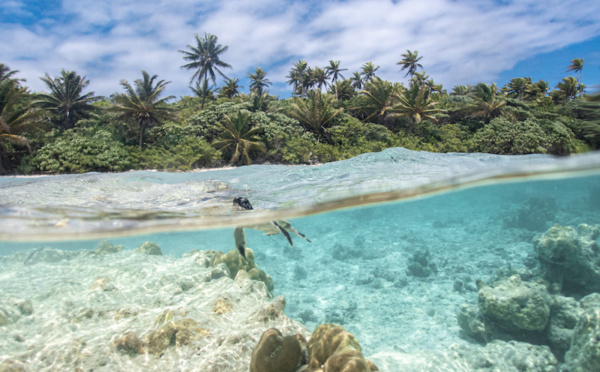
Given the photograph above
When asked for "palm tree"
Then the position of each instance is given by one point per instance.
(537, 90)
(487, 101)
(14, 119)
(568, 87)
(335, 71)
(517, 87)
(577, 66)
(239, 137)
(6, 73)
(66, 97)
(258, 80)
(205, 58)
(416, 104)
(380, 97)
(315, 113)
(357, 81)
(410, 62)
(461, 90)
(319, 78)
(203, 91)
(230, 88)
(343, 90)
(143, 103)
(298, 74)
(368, 71)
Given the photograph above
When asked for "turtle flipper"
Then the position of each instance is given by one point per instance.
(288, 226)
(240, 240)
(284, 232)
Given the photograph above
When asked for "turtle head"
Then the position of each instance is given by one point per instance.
(242, 202)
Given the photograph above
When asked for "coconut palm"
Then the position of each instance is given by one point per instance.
(568, 87)
(6, 73)
(343, 90)
(297, 76)
(357, 81)
(517, 87)
(334, 71)
(14, 119)
(537, 90)
(203, 91)
(66, 98)
(258, 81)
(416, 104)
(487, 101)
(315, 113)
(205, 58)
(380, 98)
(368, 71)
(410, 62)
(461, 90)
(239, 138)
(577, 66)
(319, 78)
(142, 103)
(230, 88)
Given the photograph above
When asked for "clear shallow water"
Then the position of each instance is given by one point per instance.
(355, 271)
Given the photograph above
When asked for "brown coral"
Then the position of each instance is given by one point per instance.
(130, 344)
(337, 350)
(276, 353)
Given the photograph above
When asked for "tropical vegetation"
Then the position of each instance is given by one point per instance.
(332, 114)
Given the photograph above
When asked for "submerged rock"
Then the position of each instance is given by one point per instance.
(571, 257)
(149, 248)
(106, 247)
(232, 262)
(516, 305)
(584, 354)
(421, 265)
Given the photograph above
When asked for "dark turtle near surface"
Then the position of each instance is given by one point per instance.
(269, 228)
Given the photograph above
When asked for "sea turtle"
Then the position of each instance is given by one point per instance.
(269, 228)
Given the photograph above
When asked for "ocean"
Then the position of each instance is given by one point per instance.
(120, 271)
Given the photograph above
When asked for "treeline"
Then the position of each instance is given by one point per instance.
(329, 117)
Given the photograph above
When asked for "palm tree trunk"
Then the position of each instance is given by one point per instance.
(142, 131)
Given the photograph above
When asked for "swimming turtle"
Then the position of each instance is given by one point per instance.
(269, 228)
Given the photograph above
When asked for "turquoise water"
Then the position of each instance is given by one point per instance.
(359, 269)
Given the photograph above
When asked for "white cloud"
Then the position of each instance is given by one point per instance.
(462, 41)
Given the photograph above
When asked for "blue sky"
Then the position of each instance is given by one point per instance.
(461, 41)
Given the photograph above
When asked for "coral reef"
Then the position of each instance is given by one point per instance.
(234, 263)
(105, 247)
(277, 353)
(149, 248)
(534, 214)
(330, 348)
(515, 304)
(512, 309)
(584, 354)
(421, 265)
(570, 257)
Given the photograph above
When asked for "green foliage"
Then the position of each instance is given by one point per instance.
(188, 154)
(79, 151)
(501, 136)
(239, 138)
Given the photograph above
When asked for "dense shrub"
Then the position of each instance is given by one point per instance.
(78, 151)
(189, 153)
(501, 136)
